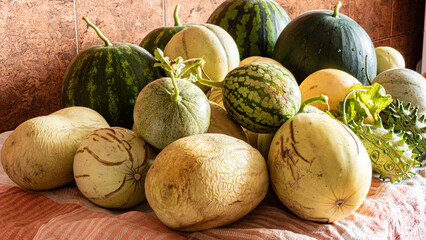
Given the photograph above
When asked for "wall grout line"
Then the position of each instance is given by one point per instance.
(297, 8)
(164, 13)
(391, 25)
(76, 25)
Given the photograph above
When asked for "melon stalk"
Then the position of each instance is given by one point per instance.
(322, 99)
(101, 36)
(336, 9)
(208, 81)
(175, 16)
(173, 69)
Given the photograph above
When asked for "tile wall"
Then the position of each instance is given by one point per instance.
(38, 38)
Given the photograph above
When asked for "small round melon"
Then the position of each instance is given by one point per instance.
(160, 119)
(333, 83)
(406, 85)
(205, 181)
(110, 167)
(388, 58)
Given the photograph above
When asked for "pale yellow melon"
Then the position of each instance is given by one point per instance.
(39, 153)
(206, 181)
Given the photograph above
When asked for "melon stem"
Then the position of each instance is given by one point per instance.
(175, 97)
(137, 176)
(107, 42)
(366, 70)
(336, 9)
(322, 98)
(175, 15)
(194, 62)
(207, 82)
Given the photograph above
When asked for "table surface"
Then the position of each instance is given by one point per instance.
(390, 211)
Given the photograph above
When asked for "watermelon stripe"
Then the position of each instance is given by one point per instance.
(111, 80)
(270, 30)
(160, 37)
(254, 24)
(241, 34)
(256, 30)
(231, 14)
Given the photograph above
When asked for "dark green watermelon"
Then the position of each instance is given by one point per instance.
(254, 24)
(322, 39)
(159, 37)
(108, 78)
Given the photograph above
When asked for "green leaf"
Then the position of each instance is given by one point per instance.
(375, 99)
(353, 111)
(192, 78)
(163, 61)
(177, 66)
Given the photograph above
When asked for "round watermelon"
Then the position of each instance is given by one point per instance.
(260, 96)
(108, 78)
(254, 24)
(321, 39)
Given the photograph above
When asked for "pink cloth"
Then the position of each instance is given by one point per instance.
(390, 211)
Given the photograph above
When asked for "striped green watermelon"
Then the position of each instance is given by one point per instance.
(260, 96)
(255, 25)
(108, 78)
(159, 37)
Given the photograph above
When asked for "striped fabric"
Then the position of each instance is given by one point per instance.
(390, 211)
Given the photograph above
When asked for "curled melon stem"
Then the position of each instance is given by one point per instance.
(194, 62)
(336, 9)
(322, 98)
(345, 121)
(175, 15)
(207, 82)
(107, 42)
(366, 71)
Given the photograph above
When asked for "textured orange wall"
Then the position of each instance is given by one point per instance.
(38, 38)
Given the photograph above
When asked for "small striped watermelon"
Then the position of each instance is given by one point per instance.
(255, 25)
(260, 96)
(108, 78)
(159, 37)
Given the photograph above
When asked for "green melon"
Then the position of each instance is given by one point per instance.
(108, 78)
(254, 24)
(406, 85)
(161, 119)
